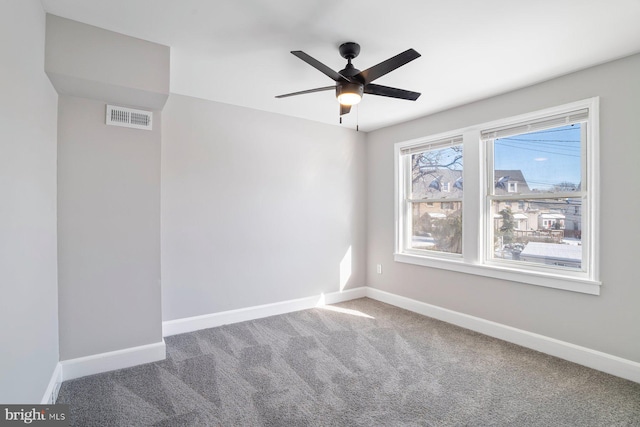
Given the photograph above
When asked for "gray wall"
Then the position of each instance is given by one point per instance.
(28, 271)
(608, 322)
(108, 187)
(256, 208)
(108, 231)
(90, 62)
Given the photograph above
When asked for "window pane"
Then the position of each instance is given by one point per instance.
(437, 174)
(542, 161)
(437, 226)
(542, 231)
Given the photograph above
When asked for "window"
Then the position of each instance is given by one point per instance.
(432, 209)
(547, 156)
(534, 191)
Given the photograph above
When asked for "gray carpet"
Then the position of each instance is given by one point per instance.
(321, 367)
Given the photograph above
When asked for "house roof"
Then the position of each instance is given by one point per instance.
(510, 175)
(432, 185)
(443, 183)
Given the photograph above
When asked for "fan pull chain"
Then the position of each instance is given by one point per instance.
(357, 118)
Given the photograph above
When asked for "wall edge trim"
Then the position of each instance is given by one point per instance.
(51, 392)
(190, 324)
(112, 360)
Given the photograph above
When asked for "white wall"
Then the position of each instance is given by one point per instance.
(108, 231)
(28, 271)
(256, 208)
(609, 322)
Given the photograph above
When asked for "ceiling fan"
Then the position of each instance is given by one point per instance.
(352, 83)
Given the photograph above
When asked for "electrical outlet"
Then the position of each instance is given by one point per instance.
(379, 268)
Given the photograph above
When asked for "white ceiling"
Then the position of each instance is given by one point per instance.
(237, 51)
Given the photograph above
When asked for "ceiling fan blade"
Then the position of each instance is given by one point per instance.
(320, 66)
(391, 92)
(302, 92)
(379, 70)
(344, 109)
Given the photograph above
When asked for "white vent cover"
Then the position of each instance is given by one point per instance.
(129, 118)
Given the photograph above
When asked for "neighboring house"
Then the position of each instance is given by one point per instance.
(510, 182)
(560, 214)
(437, 188)
(443, 187)
(540, 225)
(562, 218)
(551, 221)
(440, 184)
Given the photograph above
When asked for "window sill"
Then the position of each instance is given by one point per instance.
(555, 281)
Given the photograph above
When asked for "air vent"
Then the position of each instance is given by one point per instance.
(129, 118)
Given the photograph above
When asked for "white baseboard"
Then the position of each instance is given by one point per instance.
(74, 368)
(51, 393)
(598, 360)
(190, 324)
(104, 362)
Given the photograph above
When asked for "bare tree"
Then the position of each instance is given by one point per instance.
(430, 162)
(565, 186)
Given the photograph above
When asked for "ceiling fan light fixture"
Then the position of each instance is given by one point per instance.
(349, 93)
(351, 83)
(349, 98)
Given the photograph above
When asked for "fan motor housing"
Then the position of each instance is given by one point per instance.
(351, 72)
(351, 87)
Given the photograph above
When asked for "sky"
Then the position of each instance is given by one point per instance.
(545, 157)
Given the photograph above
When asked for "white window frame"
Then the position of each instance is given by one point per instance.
(405, 202)
(512, 187)
(476, 209)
